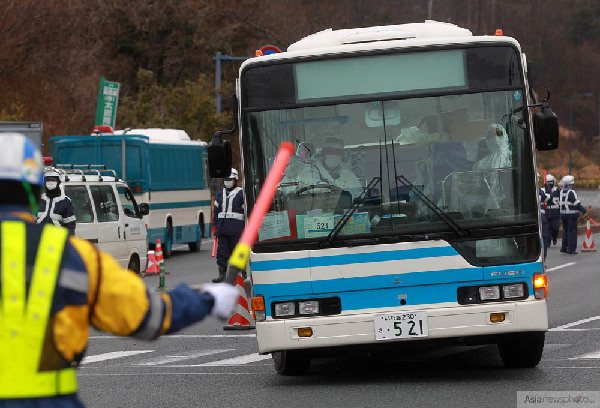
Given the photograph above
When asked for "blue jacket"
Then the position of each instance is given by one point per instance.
(57, 211)
(570, 204)
(228, 214)
(553, 207)
(93, 289)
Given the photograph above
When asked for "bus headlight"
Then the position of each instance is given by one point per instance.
(285, 309)
(489, 292)
(516, 290)
(308, 307)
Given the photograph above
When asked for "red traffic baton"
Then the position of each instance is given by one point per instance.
(241, 253)
(214, 250)
(594, 222)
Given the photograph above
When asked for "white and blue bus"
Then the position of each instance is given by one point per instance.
(163, 168)
(443, 242)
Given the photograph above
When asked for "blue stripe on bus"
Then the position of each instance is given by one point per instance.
(185, 204)
(380, 291)
(346, 259)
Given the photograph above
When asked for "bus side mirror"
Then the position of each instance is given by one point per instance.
(219, 157)
(545, 127)
(144, 209)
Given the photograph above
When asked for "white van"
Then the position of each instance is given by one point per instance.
(107, 214)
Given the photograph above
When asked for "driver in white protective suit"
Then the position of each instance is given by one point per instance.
(475, 193)
(331, 170)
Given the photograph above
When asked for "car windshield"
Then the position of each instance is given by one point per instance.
(463, 152)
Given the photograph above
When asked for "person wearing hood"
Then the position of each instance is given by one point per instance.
(330, 169)
(570, 207)
(55, 207)
(228, 221)
(553, 208)
(497, 143)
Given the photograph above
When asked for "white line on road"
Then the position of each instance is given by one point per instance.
(560, 266)
(236, 361)
(185, 336)
(172, 359)
(112, 355)
(577, 323)
(80, 374)
(588, 356)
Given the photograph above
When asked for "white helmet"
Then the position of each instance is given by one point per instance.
(20, 159)
(567, 181)
(233, 175)
(51, 172)
(550, 178)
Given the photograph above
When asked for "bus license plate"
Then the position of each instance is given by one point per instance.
(401, 326)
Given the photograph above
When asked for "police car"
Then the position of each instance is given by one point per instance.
(107, 213)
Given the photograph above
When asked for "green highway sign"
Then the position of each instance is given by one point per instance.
(108, 100)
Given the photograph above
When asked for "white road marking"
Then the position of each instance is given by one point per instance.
(560, 266)
(577, 323)
(81, 374)
(112, 355)
(184, 336)
(589, 356)
(236, 361)
(172, 359)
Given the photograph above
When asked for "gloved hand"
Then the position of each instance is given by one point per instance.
(586, 216)
(226, 299)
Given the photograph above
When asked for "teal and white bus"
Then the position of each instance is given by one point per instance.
(443, 242)
(163, 168)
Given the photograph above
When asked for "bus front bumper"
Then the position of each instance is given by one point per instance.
(443, 322)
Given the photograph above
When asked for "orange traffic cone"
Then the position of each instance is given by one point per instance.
(159, 257)
(242, 319)
(152, 264)
(588, 241)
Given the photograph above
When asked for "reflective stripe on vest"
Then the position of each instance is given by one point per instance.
(24, 319)
(565, 204)
(227, 207)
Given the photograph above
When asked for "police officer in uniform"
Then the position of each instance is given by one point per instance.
(553, 208)
(570, 207)
(54, 285)
(228, 221)
(545, 199)
(55, 207)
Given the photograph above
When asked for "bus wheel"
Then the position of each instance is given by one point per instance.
(522, 350)
(195, 246)
(134, 265)
(167, 248)
(291, 362)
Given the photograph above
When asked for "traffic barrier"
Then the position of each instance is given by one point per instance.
(588, 240)
(242, 318)
(152, 268)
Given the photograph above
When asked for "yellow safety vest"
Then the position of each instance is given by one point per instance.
(24, 319)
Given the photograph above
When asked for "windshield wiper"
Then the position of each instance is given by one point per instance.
(361, 198)
(436, 210)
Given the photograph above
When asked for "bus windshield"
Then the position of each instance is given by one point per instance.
(462, 151)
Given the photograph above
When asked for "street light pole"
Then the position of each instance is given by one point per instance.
(571, 121)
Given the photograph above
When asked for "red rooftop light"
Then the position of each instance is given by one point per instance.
(102, 129)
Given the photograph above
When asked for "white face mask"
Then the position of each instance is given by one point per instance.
(228, 184)
(333, 161)
(51, 185)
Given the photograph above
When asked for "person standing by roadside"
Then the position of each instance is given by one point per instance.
(228, 221)
(55, 285)
(55, 207)
(570, 207)
(553, 208)
(545, 199)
